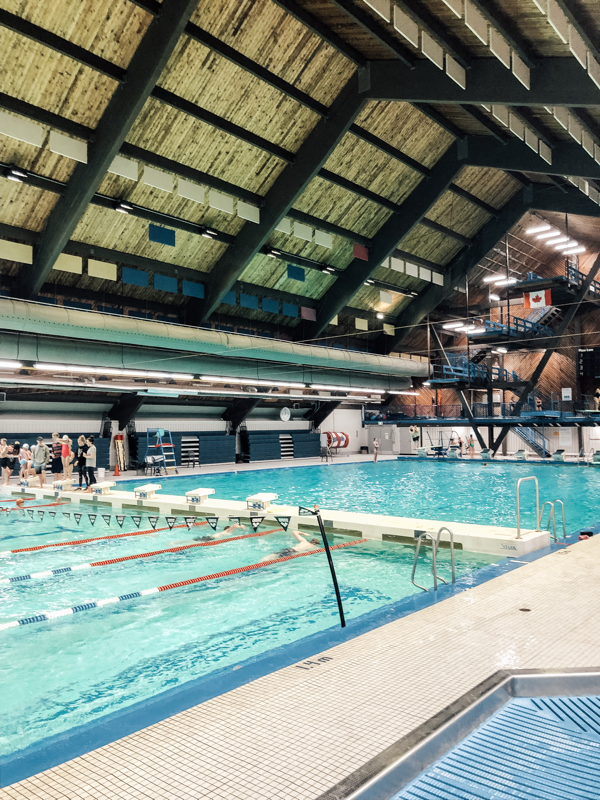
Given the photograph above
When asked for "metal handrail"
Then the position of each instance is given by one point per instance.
(433, 566)
(537, 504)
(563, 518)
(551, 516)
(435, 543)
(446, 528)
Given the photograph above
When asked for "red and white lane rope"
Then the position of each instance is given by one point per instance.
(62, 570)
(95, 539)
(48, 615)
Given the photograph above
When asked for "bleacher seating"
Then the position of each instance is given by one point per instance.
(266, 445)
(210, 447)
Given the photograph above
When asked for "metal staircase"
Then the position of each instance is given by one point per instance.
(537, 441)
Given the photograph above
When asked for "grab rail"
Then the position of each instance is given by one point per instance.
(564, 524)
(435, 543)
(551, 516)
(537, 504)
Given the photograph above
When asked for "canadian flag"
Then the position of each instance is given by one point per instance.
(537, 299)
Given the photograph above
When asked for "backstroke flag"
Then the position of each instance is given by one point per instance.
(213, 522)
(120, 519)
(189, 521)
(136, 519)
(537, 299)
(171, 521)
(107, 518)
(255, 522)
(92, 518)
(284, 522)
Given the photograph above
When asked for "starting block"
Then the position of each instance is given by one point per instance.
(521, 455)
(198, 496)
(486, 454)
(31, 482)
(423, 452)
(454, 452)
(146, 492)
(103, 488)
(65, 485)
(260, 502)
(559, 455)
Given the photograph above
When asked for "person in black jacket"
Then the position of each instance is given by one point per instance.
(82, 448)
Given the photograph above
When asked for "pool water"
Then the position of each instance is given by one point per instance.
(452, 492)
(66, 672)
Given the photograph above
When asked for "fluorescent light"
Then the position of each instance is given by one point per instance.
(252, 382)
(329, 388)
(549, 235)
(450, 325)
(492, 278)
(380, 316)
(506, 282)
(557, 241)
(478, 329)
(494, 296)
(412, 394)
(10, 364)
(539, 229)
(572, 251)
(124, 208)
(426, 383)
(502, 349)
(132, 373)
(569, 244)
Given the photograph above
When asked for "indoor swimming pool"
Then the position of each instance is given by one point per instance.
(66, 672)
(476, 492)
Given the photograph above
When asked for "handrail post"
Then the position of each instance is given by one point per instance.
(537, 504)
(446, 528)
(562, 505)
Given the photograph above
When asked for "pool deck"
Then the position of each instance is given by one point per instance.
(476, 538)
(294, 736)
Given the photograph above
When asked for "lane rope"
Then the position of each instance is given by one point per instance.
(95, 539)
(61, 570)
(48, 615)
(41, 505)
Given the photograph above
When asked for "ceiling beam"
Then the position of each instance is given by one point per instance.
(37, 34)
(239, 409)
(572, 10)
(321, 411)
(309, 159)
(554, 82)
(426, 20)
(125, 409)
(458, 268)
(499, 20)
(440, 119)
(148, 62)
(568, 158)
(471, 198)
(411, 212)
(319, 28)
(475, 113)
(369, 24)
(390, 150)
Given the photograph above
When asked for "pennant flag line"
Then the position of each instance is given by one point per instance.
(136, 520)
(255, 522)
(77, 516)
(30, 513)
(306, 512)
(235, 520)
(153, 521)
(189, 521)
(92, 518)
(107, 518)
(41, 514)
(66, 514)
(170, 522)
(284, 522)
(120, 519)
(213, 522)
(52, 514)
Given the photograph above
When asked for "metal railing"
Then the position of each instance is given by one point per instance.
(517, 327)
(577, 277)
(552, 516)
(435, 543)
(537, 504)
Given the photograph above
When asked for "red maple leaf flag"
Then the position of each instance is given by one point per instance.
(537, 299)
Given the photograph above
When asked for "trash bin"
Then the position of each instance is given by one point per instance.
(364, 450)
(101, 473)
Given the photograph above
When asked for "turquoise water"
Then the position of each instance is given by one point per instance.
(452, 492)
(67, 672)
(59, 674)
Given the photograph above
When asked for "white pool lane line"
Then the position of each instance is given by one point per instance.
(295, 733)
(46, 616)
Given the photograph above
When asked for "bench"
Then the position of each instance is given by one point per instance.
(198, 496)
(147, 491)
(102, 488)
(260, 502)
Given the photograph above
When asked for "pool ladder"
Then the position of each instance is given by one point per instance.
(539, 512)
(435, 543)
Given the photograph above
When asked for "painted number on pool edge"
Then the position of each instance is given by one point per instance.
(311, 664)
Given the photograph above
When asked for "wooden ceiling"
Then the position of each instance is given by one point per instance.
(241, 106)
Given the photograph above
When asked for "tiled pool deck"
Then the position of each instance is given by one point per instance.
(297, 732)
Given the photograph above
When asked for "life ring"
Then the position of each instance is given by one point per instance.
(337, 440)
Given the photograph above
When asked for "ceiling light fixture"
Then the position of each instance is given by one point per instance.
(328, 388)
(506, 282)
(493, 278)
(557, 241)
(380, 316)
(569, 243)
(412, 394)
(494, 296)
(131, 373)
(549, 235)
(502, 350)
(7, 364)
(452, 325)
(252, 382)
(16, 175)
(123, 208)
(573, 250)
(538, 229)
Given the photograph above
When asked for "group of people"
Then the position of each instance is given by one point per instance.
(457, 441)
(60, 456)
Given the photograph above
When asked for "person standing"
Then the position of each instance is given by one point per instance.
(597, 400)
(415, 436)
(90, 463)
(66, 456)
(24, 461)
(80, 462)
(471, 446)
(11, 454)
(375, 450)
(56, 465)
(40, 458)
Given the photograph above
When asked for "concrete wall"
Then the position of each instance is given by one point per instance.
(347, 420)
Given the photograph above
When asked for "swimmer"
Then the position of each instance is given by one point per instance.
(301, 547)
(219, 534)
